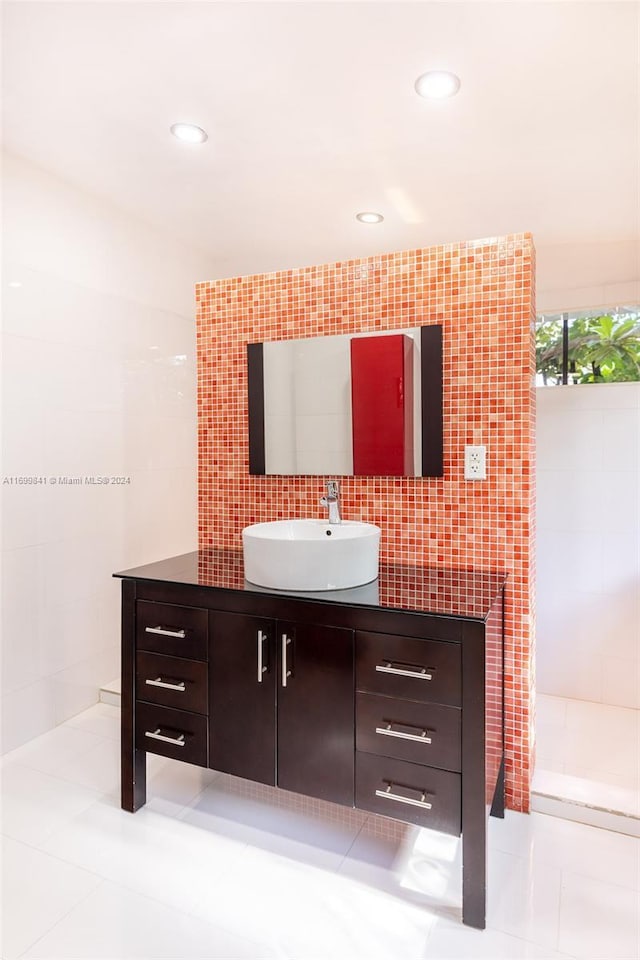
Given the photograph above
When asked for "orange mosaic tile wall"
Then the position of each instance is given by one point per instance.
(482, 292)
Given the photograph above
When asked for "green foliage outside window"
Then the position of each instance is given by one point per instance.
(602, 348)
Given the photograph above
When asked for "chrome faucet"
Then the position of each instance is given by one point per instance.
(332, 501)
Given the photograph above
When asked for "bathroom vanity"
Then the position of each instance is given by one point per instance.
(386, 697)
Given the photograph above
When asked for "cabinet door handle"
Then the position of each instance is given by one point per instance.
(179, 634)
(262, 636)
(285, 672)
(156, 735)
(178, 685)
(418, 673)
(388, 731)
(422, 802)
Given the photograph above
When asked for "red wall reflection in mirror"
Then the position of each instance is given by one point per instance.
(382, 405)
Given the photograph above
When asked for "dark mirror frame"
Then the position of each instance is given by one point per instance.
(430, 404)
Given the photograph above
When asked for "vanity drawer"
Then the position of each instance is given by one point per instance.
(172, 681)
(184, 735)
(172, 630)
(406, 791)
(424, 670)
(427, 733)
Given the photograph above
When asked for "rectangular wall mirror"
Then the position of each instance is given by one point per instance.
(365, 404)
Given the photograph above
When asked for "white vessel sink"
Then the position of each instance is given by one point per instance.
(311, 554)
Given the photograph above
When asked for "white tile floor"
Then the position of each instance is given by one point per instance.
(204, 871)
(588, 753)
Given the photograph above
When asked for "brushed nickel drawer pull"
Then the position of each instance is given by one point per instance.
(178, 685)
(388, 731)
(418, 673)
(262, 636)
(156, 735)
(179, 634)
(422, 802)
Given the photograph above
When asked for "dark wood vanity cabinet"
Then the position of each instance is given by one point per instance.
(242, 682)
(170, 675)
(282, 704)
(408, 729)
(366, 700)
(315, 711)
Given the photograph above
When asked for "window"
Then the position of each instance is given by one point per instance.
(588, 346)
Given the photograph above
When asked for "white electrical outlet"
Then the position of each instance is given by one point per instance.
(475, 462)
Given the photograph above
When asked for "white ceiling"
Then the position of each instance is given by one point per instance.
(312, 116)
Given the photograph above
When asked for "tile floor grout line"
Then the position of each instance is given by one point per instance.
(136, 891)
(61, 776)
(56, 856)
(557, 947)
(54, 776)
(611, 883)
(54, 833)
(118, 884)
(102, 740)
(82, 900)
(350, 848)
(186, 913)
(7, 757)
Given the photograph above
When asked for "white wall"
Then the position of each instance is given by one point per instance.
(588, 542)
(98, 380)
(579, 276)
(308, 406)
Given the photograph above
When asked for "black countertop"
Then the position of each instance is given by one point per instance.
(435, 590)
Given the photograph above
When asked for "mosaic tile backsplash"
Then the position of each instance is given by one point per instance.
(483, 294)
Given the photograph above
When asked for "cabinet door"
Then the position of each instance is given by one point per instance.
(316, 711)
(242, 667)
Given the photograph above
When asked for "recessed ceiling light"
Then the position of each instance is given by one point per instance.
(369, 217)
(15, 284)
(189, 133)
(437, 84)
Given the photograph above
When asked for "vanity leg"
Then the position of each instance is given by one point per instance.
(474, 810)
(134, 780)
(133, 767)
(474, 868)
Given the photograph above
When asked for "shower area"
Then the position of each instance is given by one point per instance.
(588, 595)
